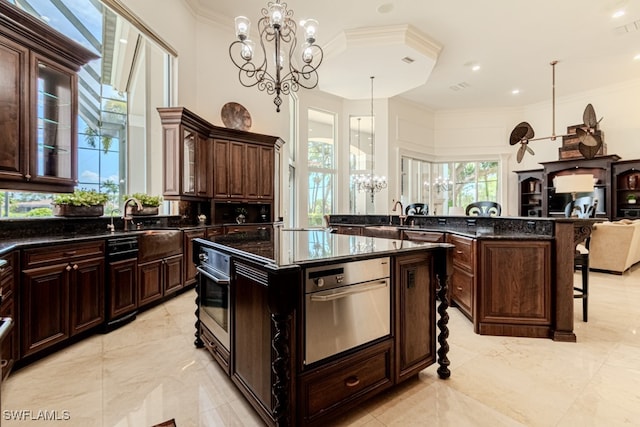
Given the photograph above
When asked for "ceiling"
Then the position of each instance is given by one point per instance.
(513, 42)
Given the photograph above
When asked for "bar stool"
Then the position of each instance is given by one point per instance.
(581, 262)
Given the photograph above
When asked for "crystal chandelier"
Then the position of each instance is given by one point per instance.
(370, 183)
(283, 77)
(441, 184)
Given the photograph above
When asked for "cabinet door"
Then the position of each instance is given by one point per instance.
(253, 174)
(220, 167)
(13, 114)
(189, 266)
(149, 282)
(122, 287)
(53, 129)
(189, 141)
(203, 184)
(267, 172)
(87, 295)
(415, 315)
(45, 307)
(173, 274)
(237, 166)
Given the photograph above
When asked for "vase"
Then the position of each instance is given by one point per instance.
(240, 219)
(632, 180)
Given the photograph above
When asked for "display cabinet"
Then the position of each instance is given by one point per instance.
(626, 197)
(530, 184)
(553, 204)
(187, 155)
(38, 130)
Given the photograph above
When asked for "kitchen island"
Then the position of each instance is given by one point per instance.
(309, 324)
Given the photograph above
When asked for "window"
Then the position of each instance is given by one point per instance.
(321, 164)
(448, 184)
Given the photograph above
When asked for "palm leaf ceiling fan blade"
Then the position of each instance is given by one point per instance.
(586, 138)
(521, 152)
(523, 131)
(589, 117)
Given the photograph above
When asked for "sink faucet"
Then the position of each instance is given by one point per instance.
(124, 207)
(112, 227)
(402, 216)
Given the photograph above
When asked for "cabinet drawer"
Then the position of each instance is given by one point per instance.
(463, 252)
(231, 229)
(68, 253)
(462, 290)
(345, 229)
(217, 350)
(346, 381)
(214, 231)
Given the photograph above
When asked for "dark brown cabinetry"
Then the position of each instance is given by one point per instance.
(8, 291)
(159, 278)
(515, 294)
(189, 266)
(626, 197)
(530, 196)
(463, 280)
(229, 169)
(38, 127)
(259, 186)
(123, 287)
(62, 293)
(187, 155)
(415, 315)
(348, 229)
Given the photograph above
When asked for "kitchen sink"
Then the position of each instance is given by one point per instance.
(156, 244)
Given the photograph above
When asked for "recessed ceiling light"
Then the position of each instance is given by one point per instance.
(618, 13)
(123, 41)
(408, 59)
(637, 57)
(515, 91)
(475, 67)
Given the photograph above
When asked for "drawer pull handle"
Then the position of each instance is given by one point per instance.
(352, 381)
(69, 253)
(4, 363)
(459, 252)
(458, 288)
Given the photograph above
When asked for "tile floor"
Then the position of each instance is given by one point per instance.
(149, 371)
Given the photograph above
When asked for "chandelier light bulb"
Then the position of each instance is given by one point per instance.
(277, 14)
(242, 27)
(310, 29)
(247, 50)
(307, 54)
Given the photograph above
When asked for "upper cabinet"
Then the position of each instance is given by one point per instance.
(204, 162)
(38, 107)
(187, 155)
(626, 178)
(530, 192)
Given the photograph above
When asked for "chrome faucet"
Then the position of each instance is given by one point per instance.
(112, 227)
(124, 207)
(402, 216)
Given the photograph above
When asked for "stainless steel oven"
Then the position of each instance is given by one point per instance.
(346, 305)
(214, 282)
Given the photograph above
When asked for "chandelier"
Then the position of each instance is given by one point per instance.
(370, 183)
(441, 184)
(283, 77)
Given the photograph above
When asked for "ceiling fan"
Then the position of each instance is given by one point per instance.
(590, 141)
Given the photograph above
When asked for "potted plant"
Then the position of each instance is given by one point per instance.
(80, 203)
(242, 215)
(149, 204)
(631, 199)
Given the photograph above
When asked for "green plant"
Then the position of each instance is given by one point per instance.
(631, 197)
(241, 211)
(38, 212)
(145, 199)
(81, 198)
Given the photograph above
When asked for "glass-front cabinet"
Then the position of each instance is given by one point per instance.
(38, 84)
(626, 177)
(55, 123)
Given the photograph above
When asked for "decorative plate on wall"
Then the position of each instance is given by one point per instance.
(235, 116)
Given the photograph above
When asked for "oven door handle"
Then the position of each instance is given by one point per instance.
(331, 295)
(222, 280)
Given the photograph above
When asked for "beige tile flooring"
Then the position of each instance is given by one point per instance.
(149, 371)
